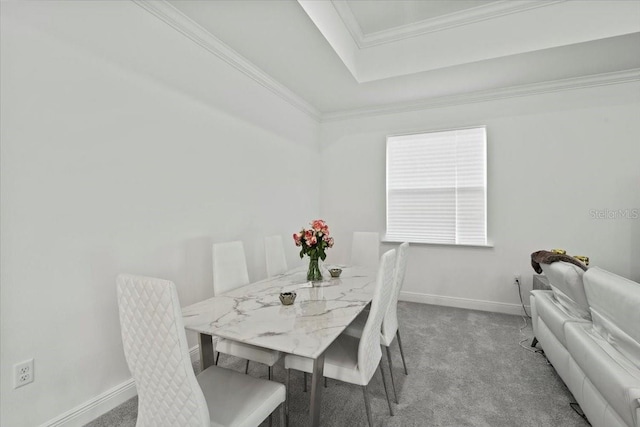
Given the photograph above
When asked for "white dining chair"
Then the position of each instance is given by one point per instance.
(390, 328)
(274, 252)
(365, 249)
(169, 392)
(230, 272)
(354, 360)
(229, 267)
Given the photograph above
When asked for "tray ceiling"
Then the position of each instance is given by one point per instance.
(421, 52)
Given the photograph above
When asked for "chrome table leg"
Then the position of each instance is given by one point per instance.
(316, 391)
(206, 351)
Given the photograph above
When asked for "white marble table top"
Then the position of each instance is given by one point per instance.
(254, 315)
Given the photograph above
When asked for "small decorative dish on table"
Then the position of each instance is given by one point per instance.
(287, 298)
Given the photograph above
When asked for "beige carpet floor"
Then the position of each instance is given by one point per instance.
(466, 368)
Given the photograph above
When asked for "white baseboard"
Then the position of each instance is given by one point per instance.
(471, 304)
(103, 403)
(194, 353)
(92, 409)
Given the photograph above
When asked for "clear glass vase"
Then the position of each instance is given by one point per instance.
(314, 274)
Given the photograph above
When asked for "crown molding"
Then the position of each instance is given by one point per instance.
(604, 79)
(350, 22)
(185, 25)
(176, 19)
(451, 20)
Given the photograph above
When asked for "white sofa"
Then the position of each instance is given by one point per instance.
(565, 303)
(589, 328)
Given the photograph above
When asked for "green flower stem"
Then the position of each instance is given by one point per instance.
(314, 274)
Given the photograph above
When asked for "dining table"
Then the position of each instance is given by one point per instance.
(253, 314)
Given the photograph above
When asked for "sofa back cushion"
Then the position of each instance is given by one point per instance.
(615, 310)
(566, 282)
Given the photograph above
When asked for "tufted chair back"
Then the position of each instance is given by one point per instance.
(155, 347)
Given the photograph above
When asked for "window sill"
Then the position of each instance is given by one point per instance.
(488, 245)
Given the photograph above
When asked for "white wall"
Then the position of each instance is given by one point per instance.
(551, 159)
(125, 148)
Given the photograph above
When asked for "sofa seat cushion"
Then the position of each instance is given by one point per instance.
(615, 309)
(568, 288)
(554, 315)
(613, 375)
(595, 406)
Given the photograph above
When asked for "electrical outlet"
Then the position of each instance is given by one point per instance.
(516, 280)
(23, 373)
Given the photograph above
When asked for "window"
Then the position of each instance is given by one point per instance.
(437, 187)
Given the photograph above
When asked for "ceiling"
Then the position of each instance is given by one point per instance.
(342, 57)
(384, 15)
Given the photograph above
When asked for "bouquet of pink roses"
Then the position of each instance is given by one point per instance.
(314, 241)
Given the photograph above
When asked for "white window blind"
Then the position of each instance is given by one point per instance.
(437, 187)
